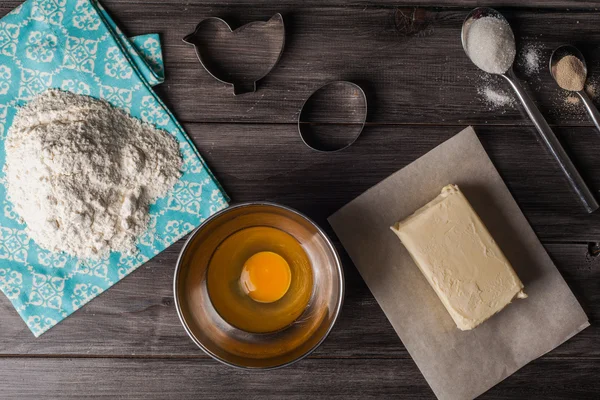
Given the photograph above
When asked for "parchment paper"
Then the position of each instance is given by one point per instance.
(456, 364)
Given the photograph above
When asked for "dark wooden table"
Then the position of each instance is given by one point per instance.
(128, 343)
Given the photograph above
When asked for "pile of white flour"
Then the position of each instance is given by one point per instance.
(81, 173)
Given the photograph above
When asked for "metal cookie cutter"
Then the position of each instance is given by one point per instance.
(333, 117)
(239, 57)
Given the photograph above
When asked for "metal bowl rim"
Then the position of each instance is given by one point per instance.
(249, 204)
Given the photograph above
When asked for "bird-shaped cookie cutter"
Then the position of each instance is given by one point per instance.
(217, 48)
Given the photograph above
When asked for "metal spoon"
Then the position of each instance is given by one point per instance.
(568, 50)
(545, 133)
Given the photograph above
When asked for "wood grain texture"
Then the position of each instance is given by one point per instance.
(137, 318)
(560, 4)
(397, 55)
(128, 343)
(409, 61)
(314, 379)
(269, 162)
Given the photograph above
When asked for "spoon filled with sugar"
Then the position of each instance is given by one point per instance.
(489, 42)
(569, 70)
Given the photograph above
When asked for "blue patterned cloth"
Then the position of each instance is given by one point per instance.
(74, 45)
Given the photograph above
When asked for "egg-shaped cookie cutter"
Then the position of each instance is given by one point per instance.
(356, 103)
(276, 30)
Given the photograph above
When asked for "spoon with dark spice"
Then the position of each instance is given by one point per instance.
(569, 70)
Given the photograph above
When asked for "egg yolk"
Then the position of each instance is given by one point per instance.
(266, 277)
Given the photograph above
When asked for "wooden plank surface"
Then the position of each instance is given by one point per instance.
(137, 317)
(401, 54)
(395, 53)
(561, 4)
(276, 161)
(421, 89)
(77, 378)
(396, 60)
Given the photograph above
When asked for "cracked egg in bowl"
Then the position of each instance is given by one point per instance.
(258, 285)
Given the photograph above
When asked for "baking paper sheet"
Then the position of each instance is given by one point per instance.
(456, 364)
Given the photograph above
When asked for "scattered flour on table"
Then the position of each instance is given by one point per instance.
(571, 103)
(493, 91)
(81, 174)
(591, 88)
(496, 98)
(530, 58)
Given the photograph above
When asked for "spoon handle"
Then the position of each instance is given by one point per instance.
(590, 107)
(553, 145)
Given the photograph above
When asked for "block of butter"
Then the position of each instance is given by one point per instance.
(460, 259)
